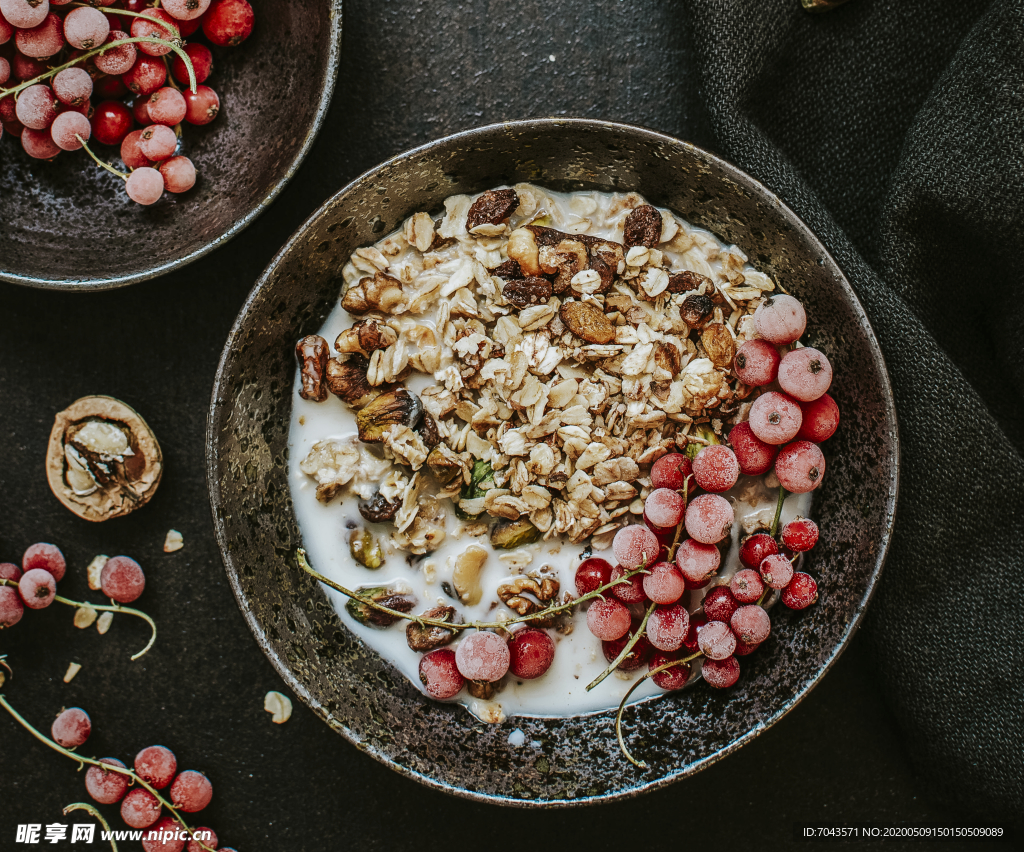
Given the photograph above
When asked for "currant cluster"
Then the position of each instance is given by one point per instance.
(43, 566)
(130, 55)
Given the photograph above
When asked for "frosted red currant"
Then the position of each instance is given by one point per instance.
(755, 548)
(109, 87)
(716, 640)
(775, 418)
(146, 76)
(746, 586)
(140, 112)
(719, 604)
(191, 791)
(122, 578)
(185, 10)
(663, 509)
(632, 591)
(72, 86)
(751, 624)
(39, 144)
(5, 70)
(800, 534)
(671, 471)
(592, 574)
(777, 571)
(43, 40)
(673, 678)
(158, 143)
(209, 838)
(86, 28)
(531, 652)
(440, 675)
(697, 621)
(12, 608)
(164, 836)
(780, 319)
(801, 592)
(156, 24)
(820, 419)
(639, 654)
(145, 186)
(800, 467)
(805, 374)
(69, 130)
(608, 619)
(37, 588)
(715, 468)
(697, 562)
(71, 728)
(36, 107)
(228, 22)
(202, 63)
(10, 571)
(157, 765)
(202, 106)
(482, 656)
(23, 14)
(744, 648)
(721, 674)
(664, 584)
(757, 363)
(105, 786)
(753, 455)
(167, 106)
(635, 545)
(45, 556)
(709, 518)
(667, 627)
(111, 122)
(117, 60)
(140, 808)
(131, 153)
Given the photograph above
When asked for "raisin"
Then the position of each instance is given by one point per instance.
(695, 310)
(379, 509)
(492, 208)
(508, 270)
(524, 292)
(428, 431)
(683, 282)
(642, 227)
(430, 636)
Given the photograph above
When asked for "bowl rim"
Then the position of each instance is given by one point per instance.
(96, 284)
(467, 137)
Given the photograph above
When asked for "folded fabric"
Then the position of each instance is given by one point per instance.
(896, 131)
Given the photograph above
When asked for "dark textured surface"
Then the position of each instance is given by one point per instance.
(274, 90)
(932, 242)
(366, 698)
(838, 756)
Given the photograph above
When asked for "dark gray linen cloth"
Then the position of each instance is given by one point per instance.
(895, 129)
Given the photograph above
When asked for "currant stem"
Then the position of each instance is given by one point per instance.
(778, 511)
(100, 162)
(46, 75)
(109, 767)
(622, 705)
(477, 625)
(625, 651)
(95, 814)
(113, 607)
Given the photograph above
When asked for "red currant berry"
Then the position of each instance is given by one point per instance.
(483, 656)
(639, 654)
(801, 592)
(630, 592)
(439, 674)
(532, 651)
(228, 22)
(671, 471)
(10, 571)
(164, 836)
(208, 836)
(698, 563)
(800, 467)
(202, 63)
(122, 578)
(39, 144)
(746, 586)
(146, 76)
(742, 648)
(158, 143)
(37, 587)
(800, 535)
(753, 455)
(634, 546)
(11, 607)
(109, 88)
(716, 640)
(179, 174)
(185, 10)
(37, 107)
(755, 548)
(721, 674)
(805, 374)
(24, 13)
(757, 363)
(697, 621)
(780, 319)
(715, 468)
(156, 24)
(157, 765)
(69, 130)
(775, 418)
(820, 419)
(664, 584)
(105, 786)
(719, 604)
(117, 60)
(191, 791)
(608, 619)
(45, 556)
(131, 153)
(663, 509)
(673, 678)
(73, 86)
(709, 518)
(668, 626)
(140, 111)
(777, 571)
(592, 574)
(86, 28)
(71, 728)
(751, 624)
(140, 808)
(167, 106)
(202, 106)
(43, 40)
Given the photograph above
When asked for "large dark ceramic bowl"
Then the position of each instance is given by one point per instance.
(69, 224)
(363, 697)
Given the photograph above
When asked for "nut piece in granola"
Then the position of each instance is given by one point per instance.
(642, 227)
(279, 706)
(507, 534)
(466, 577)
(684, 282)
(427, 637)
(312, 353)
(380, 293)
(365, 337)
(491, 208)
(588, 321)
(365, 548)
(348, 381)
(103, 461)
(395, 408)
(382, 596)
(524, 292)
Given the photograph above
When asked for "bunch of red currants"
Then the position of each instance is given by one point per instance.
(56, 56)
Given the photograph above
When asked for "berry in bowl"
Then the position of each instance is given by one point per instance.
(108, 108)
(555, 446)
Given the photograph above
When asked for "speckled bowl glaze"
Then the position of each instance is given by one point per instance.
(564, 760)
(69, 224)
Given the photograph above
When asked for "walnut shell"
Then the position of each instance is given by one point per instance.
(122, 483)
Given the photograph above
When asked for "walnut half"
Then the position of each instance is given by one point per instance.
(103, 461)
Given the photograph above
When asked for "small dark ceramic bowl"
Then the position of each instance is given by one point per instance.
(363, 697)
(69, 224)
